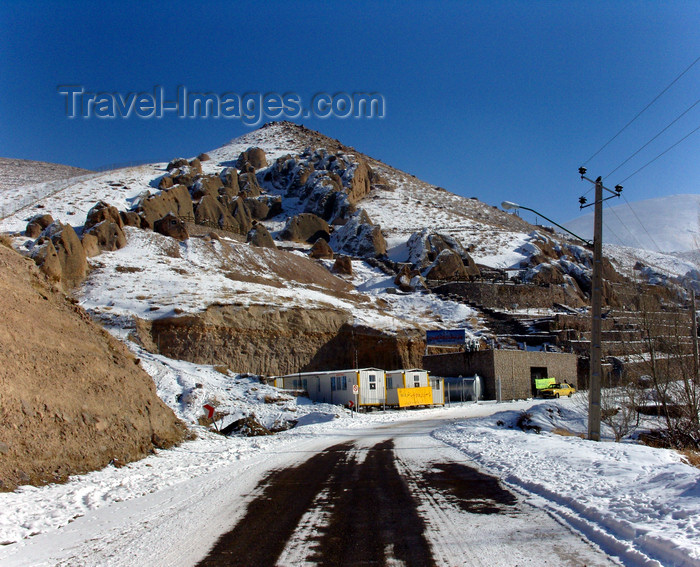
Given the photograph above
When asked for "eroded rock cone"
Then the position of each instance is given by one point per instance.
(171, 226)
(306, 227)
(254, 156)
(109, 235)
(343, 266)
(448, 266)
(260, 236)
(321, 250)
(177, 163)
(36, 224)
(103, 211)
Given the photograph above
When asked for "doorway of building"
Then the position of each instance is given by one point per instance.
(537, 373)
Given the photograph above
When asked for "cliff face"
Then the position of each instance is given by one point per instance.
(72, 398)
(272, 341)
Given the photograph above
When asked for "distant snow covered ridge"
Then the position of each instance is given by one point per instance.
(666, 224)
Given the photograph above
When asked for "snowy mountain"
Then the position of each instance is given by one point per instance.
(232, 289)
(666, 224)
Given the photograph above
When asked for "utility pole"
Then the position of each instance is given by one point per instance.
(595, 380)
(596, 317)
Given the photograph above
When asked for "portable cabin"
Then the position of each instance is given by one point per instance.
(413, 378)
(438, 386)
(336, 386)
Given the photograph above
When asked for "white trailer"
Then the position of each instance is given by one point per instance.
(413, 378)
(336, 386)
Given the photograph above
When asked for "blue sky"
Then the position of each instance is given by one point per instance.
(497, 100)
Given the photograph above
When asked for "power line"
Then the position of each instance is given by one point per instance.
(661, 154)
(654, 138)
(642, 224)
(657, 97)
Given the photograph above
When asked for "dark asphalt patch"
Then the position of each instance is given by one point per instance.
(372, 518)
(270, 520)
(372, 515)
(472, 490)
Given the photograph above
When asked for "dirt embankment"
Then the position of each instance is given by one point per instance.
(72, 398)
(272, 341)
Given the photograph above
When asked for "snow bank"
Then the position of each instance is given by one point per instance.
(635, 501)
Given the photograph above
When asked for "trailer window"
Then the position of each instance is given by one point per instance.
(333, 383)
(390, 383)
(372, 381)
(436, 384)
(344, 380)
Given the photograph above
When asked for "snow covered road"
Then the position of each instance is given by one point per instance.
(394, 495)
(383, 493)
(413, 488)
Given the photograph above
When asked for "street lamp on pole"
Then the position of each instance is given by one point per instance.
(509, 205)
(594, 386)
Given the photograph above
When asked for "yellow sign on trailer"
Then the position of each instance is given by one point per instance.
(415, 396)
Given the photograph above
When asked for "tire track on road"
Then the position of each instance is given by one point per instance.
(261, 535)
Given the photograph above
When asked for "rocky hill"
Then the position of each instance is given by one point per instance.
(72, 397)
(287, 251)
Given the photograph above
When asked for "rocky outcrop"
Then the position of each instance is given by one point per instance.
(229, 177)
(209, 211)
(100, 212)
(405, 279)
(259, 208)
(46, 258)
(241, 215)
(448, 266)
(264, 339)
(60, 242)
(425, 246)
(329, 184)
(306, 227)
(254, 156)
(342, 266)
(359, 237)
(248, 183)
(73, 398)
(171, 226)
(90, 245)
(177, 163)
(547, 274)
(176, 200)
(109, 235)
(320, 250)
(130, 218)
(261, 237)
(38, 223)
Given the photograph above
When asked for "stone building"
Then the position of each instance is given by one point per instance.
(516, 369)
